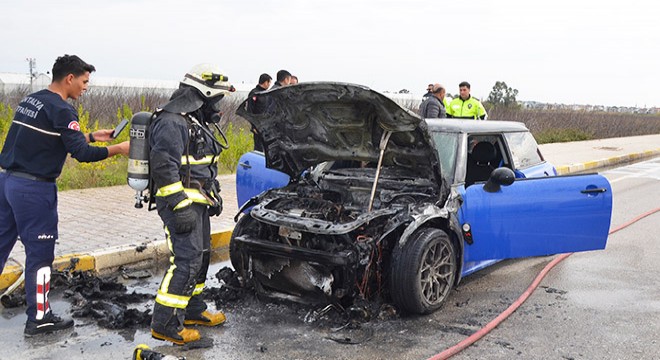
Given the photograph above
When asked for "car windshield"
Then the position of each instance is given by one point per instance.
(524, 149)
(447, 146)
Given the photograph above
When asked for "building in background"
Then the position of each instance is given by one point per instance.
(21, 82)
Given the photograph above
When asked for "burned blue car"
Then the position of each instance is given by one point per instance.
(355, 197)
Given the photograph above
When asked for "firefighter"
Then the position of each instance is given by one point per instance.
(465, 106)
(183, 160)
(44, 130)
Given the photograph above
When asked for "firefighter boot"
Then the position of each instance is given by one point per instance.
(167, 324)
(206, 318)
(179, 338)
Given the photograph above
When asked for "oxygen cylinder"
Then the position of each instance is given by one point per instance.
(138, 155)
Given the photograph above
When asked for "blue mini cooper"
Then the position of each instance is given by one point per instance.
(355, 197)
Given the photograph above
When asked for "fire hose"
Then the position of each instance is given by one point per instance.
(449, 352)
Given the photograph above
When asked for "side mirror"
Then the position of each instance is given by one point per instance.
(500, 176)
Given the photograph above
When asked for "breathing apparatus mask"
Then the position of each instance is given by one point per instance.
(212, 85)
(211, 110)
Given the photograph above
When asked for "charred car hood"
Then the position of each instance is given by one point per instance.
(309, 123)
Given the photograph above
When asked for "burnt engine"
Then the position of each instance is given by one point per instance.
(316, 242)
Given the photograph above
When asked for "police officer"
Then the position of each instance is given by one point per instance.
(44, 130)
(465, 106)
(183, 159)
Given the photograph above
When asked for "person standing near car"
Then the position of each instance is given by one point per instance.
(433, 106)
(283, 79)
(428, 93)
(44, 130)
(465, 106)
(255, 105)
(183, 160)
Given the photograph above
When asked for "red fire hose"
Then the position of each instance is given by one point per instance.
(516, 304)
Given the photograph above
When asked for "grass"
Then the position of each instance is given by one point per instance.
(565, 125)
(105, 108)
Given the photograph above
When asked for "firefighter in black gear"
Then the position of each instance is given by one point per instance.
(183, 159)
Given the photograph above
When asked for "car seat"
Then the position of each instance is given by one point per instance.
(479, 164)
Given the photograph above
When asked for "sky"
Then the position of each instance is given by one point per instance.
(572, 52)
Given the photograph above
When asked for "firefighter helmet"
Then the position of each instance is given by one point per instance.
(209, 80)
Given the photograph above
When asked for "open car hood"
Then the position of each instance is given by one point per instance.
(310, 123)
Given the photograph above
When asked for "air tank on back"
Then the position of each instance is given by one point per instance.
(138, 155)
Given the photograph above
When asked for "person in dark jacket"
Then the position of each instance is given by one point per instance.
(257, 107)
(283, 79)
(429, 92)
(44, 130)
(183, 159)
(252, 105)
(433, 106)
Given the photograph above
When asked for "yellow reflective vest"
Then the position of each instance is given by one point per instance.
(466, 109)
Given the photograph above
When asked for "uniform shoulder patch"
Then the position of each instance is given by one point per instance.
(74, 125)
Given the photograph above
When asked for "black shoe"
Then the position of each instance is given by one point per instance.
(48, 324)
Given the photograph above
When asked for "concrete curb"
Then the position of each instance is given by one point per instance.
(111, 259)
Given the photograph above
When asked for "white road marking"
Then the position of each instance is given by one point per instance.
(648, 169)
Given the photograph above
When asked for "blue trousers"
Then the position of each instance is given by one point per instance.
(28, 209)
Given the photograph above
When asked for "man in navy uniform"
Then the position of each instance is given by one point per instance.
(44, 130)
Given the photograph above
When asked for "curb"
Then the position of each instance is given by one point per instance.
(110, 260)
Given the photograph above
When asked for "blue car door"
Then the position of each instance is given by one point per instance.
(539, 216)
(253, 177)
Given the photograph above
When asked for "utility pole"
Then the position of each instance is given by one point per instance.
(33, 69)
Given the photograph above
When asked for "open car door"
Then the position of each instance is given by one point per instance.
(253, 177)
(538, 216)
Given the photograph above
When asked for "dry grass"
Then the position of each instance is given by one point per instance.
(566, 125)
(104, 108)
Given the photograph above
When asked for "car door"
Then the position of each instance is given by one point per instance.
(253, 177)
(539, 216)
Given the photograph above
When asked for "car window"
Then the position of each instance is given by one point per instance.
(447, 146)
(524, 149)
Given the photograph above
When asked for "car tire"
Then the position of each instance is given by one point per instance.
(423, 271)
(235, 254)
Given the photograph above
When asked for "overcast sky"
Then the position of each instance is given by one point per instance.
(575, 52)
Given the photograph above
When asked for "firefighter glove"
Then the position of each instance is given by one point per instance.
(184, 220)
(216, 210)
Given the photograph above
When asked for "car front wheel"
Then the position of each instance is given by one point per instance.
(423, 271)
(239, 261)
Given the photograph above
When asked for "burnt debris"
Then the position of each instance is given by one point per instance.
(103, 299)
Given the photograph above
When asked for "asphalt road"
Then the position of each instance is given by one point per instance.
(596, 305)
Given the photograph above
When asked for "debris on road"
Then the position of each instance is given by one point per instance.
(103, 299)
